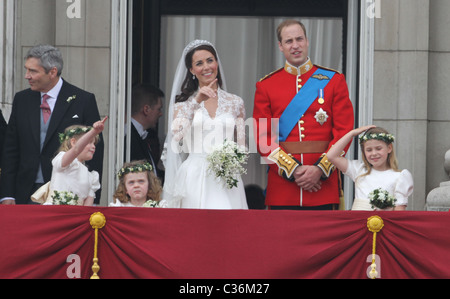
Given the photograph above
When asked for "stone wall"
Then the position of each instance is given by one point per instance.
(438, 93)
(411, 84)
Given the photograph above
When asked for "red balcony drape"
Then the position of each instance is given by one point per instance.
(36, 242)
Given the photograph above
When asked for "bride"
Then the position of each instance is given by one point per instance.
(201, 115)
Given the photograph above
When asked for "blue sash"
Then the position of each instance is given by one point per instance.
(302, 101)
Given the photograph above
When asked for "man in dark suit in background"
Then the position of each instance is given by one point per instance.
(38, 115)
(146, 109)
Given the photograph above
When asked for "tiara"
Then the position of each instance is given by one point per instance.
(136, 168)
(388, 138)
(73, 132)
(194, 44)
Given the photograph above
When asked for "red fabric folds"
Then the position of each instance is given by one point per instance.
(36, 242)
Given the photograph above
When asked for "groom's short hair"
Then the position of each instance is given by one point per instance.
(289, 23)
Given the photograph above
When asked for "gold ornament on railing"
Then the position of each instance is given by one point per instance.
(374, 224)
(97, 221)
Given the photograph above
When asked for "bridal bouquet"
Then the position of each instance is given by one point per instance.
(226, 161)
(64, 198)
(381, 199)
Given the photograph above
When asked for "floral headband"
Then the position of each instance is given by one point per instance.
(136, 168)
(73, 132)
(388, 138)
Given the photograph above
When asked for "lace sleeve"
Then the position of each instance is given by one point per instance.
(240, 123)
(182, 118)
(234, 105)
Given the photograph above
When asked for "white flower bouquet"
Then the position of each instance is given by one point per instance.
(151, 204)
(64, 198)
(226, 161)
(381, 199)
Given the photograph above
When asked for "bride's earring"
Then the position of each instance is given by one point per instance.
(193, 77)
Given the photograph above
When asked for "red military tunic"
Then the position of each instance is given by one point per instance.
(326, 120)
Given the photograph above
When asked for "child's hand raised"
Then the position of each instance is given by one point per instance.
(100, 125)
(361, 130)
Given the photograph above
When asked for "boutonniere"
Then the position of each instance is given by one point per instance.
(70, 99)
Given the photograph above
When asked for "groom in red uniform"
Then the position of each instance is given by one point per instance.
(314, 111)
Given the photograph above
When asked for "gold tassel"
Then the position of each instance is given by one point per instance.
(97, 221)
(374, 224)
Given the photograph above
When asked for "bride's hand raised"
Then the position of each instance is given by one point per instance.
(207, 92)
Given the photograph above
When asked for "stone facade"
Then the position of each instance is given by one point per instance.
(410, 87)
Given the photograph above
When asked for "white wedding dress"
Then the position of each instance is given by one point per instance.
(195, 133)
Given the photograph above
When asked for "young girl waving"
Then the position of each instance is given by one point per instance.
(72, 183)
(138, 186)
(378, 182)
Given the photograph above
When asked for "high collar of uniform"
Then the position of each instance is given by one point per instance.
(298, 71)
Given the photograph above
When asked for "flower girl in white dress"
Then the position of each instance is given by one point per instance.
(377, 175)
(72, 183)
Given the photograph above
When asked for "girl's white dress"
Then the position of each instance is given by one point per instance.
(398, 184)
(196, 133)
(75, 178)
(118, 203)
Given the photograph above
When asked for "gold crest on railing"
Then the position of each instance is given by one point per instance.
(97, 221)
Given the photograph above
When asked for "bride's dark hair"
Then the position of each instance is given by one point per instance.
(190, 85)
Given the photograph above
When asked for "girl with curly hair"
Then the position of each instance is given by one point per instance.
(138, 186)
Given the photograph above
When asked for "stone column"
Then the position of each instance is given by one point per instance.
(83, 33)
(438, 92)
(401, 85)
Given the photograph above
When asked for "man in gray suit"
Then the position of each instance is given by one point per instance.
(31, 139)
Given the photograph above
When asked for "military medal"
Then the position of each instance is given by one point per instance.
(321, 100)
(321, 116)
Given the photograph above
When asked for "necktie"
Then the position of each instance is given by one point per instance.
(147, 140)
(46, 112)
(153, 145)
